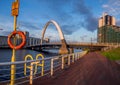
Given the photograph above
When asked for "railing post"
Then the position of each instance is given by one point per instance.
(68, 59)
(31, 73)
(40, 64)
(62, 66)
(42, 68)
(78, 55)
(73, 58)
(51, 66)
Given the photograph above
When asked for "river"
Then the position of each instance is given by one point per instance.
(5, 54)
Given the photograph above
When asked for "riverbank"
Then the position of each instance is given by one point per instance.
(113, 54)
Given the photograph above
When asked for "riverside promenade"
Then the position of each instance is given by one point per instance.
(91, 69)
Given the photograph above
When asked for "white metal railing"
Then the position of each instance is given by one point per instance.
(50, 66)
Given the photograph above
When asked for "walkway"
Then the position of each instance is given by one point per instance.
(92, 69)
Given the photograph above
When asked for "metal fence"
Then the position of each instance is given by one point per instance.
(30, 69)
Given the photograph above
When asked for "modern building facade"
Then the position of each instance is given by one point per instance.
(108, 31)
(106, 20)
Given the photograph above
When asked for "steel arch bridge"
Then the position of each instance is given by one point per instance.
(63, 49)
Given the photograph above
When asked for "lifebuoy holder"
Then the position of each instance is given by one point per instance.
(21, 34)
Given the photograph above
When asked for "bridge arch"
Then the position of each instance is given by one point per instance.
(63, 49)
(57, 27)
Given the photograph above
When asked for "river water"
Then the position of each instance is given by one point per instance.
(5, 54)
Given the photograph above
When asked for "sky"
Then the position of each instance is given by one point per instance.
(78, 19)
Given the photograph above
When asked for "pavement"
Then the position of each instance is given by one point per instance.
(92, 69)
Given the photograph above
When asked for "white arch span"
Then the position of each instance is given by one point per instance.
(57, 27)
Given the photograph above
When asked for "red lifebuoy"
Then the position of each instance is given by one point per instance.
(20, 33)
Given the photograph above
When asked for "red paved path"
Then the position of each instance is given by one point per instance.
(92, 69)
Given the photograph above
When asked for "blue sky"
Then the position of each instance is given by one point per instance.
(78, 19)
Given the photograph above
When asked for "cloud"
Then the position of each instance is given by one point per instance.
(105, 6)
(90, 22)
(118, 23)
(69, 23)
(68, 29)
(28, 25)
(57, 9)
(71, 15)
(6, 28)
(112, 7)
(5, 33)
(1, 28)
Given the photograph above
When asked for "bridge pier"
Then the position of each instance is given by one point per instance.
(63, 49)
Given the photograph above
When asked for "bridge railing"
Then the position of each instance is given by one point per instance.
(51, 65)
(84, 43)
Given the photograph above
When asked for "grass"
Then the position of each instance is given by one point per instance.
(112, 54)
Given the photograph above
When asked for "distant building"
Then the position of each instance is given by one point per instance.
(27, 34)
(108, 32)
(3, 41)
(30, 41)
(106, 20)
(27, 38)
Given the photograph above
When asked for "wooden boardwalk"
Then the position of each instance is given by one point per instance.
(92, 69)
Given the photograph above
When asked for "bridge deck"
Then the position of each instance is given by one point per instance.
(92, 69)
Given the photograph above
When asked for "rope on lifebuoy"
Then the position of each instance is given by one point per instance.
(20, 33)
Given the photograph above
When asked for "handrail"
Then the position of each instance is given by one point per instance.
(48, 67)
(21, 62)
